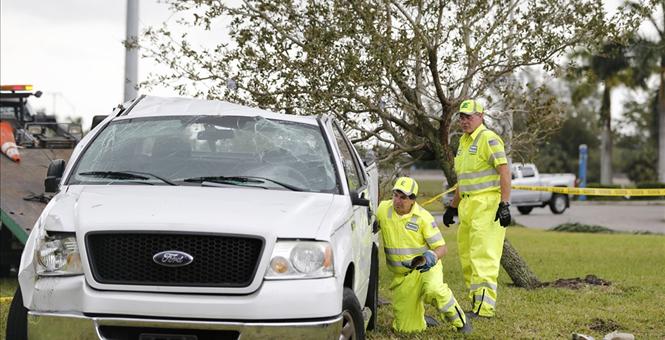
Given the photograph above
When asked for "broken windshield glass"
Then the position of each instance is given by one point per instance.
(285, 153)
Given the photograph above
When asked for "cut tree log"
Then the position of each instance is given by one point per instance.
(517, 268)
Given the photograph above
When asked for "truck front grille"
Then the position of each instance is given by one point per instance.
(218, 260)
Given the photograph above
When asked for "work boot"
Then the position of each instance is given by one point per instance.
(430, 321)
(467, 328)
(473, 315)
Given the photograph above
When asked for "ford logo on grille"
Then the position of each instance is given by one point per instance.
(173, 258)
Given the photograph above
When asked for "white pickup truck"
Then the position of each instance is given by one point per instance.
(525, 200)
(182, 219)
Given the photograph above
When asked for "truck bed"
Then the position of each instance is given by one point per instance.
(21, 180)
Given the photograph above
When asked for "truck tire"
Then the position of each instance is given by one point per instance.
(372, 301)
(17, 319)
(524, 210)
(353, 326)
(558, 203)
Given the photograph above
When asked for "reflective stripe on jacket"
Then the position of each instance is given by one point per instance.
(478, 155)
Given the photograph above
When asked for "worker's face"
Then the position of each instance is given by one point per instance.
(470, 122)
(402, 203)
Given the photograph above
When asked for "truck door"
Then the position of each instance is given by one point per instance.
(361, 229)
(529, 178)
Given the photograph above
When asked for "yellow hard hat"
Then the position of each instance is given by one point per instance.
(406, 185)
(470, 106)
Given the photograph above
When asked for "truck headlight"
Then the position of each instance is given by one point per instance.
(300, 260)
(58, 254)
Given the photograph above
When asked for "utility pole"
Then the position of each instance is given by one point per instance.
(584, 156)
(131, 50)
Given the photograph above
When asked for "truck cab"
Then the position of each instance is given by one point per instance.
(32, 129)
(182, 219)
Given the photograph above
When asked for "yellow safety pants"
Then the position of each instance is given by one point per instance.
(480, 242)
(410, 291)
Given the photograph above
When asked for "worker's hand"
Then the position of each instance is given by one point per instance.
(503, 214)
(430, 261)
(449, 216)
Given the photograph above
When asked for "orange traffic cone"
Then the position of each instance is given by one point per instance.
(8, 143)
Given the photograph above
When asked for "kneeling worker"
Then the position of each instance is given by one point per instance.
(409, 232)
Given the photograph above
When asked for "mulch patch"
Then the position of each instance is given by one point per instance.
(577, 283)
(604, 326)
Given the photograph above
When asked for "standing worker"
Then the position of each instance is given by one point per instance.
(413, 245)
(482, 199)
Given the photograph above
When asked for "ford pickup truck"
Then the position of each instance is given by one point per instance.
(184, 219)
(525, 200)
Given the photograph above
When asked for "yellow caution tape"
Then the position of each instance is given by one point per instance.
(439, 195)
(573, 191)
(594, 191)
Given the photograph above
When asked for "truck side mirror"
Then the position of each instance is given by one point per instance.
(96, 120)
(356, 199)
(53, 175)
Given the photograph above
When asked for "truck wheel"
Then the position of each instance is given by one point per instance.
(524, 210)
(353, 326)
(372, 300)
(17, 320)
(558, 203)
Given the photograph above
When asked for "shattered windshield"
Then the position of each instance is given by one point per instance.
(209, 150)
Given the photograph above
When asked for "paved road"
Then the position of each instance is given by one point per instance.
(619, 216)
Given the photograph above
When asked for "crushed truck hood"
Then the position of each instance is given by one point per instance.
(229, 210)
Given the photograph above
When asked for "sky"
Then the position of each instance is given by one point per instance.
(72, 51)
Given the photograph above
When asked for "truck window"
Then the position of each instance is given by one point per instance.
(8, 112)
(527, 171)
(177, 148)
(348, 161)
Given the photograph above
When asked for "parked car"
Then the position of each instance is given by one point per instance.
(525, 200)
(198, 219)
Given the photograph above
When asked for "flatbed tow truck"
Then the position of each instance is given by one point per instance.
(40, 139)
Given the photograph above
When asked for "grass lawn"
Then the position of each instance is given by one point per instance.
(635, 264)
(7, 288)
(633, 303)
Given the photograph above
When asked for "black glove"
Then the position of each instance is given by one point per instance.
(503, 214)
(448, 216)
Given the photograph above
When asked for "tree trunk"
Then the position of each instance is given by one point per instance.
(517, 268)
(606, 138)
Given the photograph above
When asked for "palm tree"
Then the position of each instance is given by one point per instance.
(649, 58)
(605, 69)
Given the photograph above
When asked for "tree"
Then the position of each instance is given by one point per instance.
(650, 59)
(607, 69)
(394, 72)
(560, 151)
(638, 148)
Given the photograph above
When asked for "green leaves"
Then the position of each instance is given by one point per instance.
(419, 58)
